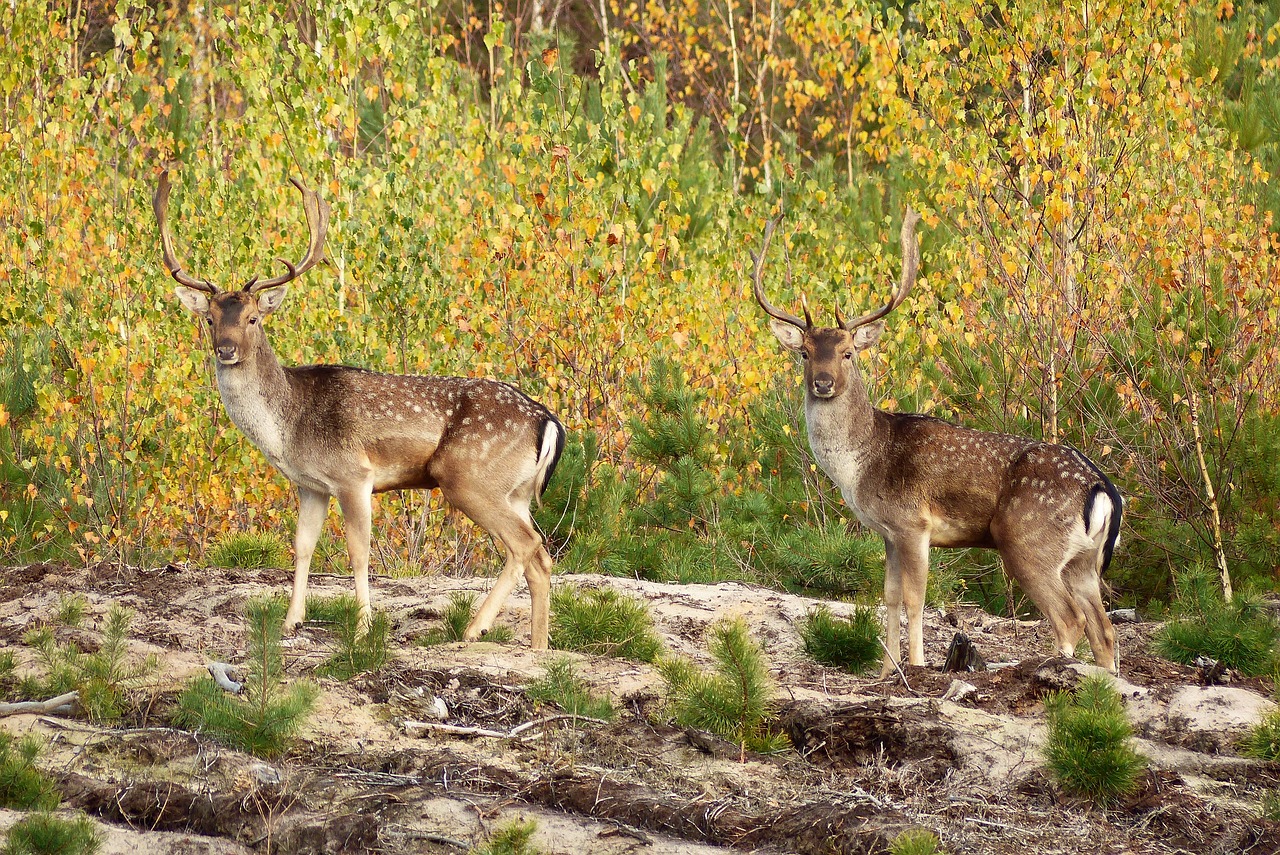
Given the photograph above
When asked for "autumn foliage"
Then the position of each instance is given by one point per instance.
(558, 195)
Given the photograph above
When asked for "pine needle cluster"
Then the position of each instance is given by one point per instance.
(562, 686)
(1240, 634)
(1263, 740)
(735, 699)
(103, 678)
(603, 622)
(24, 787)
(268, 714)
(1088, 750)
(851, 643)
(455, 620)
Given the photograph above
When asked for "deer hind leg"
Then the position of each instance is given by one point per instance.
(1038, 568)
(508, 520)
(1081, 576)
(357, 516)
(313, 507)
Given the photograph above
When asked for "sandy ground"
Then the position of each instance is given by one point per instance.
(871, 758)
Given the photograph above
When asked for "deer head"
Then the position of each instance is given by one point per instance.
(235, 317)
(829, 353)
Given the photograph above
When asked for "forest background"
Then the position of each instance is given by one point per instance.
(566, 194)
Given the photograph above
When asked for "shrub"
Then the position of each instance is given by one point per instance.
(1088, 749)
(264, 720)
(733, 701)
(46, 834)
(22, 785)
(1240, 634)
(562, 686)
(455, 620)
(248, 551)
(602, 622)
(850, 643)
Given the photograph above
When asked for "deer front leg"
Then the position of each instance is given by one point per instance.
(312, 509)
(892, 611)
(913, 568)
(357, 514)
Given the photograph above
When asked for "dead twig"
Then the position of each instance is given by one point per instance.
(423, 727)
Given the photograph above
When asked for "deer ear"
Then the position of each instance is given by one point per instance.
(864, 337)
(270, 300)
(790, 335)
(195, 300)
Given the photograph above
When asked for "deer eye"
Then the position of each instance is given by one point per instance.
(253, 320)
(848, 354)
(209, 321)
(804, 354)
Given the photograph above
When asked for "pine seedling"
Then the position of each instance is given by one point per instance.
(562, 686)
(71, 609)
(514, 838)
(1088, 750)
(248, 551)
(916, 841)
(102, 678)
(264, 721)
(358, 653)
(22, 785)
(47, 834)
(1240, 634)
(850, 643)
(735, 699)
(455, 620)
(602, 622)
(1263, 740)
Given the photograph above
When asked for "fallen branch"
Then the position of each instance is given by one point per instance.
(60, 704)
(423, 727)
(221, 673)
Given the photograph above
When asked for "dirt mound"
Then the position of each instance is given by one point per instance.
(954, 753)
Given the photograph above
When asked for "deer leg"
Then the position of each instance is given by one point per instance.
(357, 516)
(913, 567)
(892, 610)
(1042, 580)
(1081, 576)
(507, 519)
(313, 507)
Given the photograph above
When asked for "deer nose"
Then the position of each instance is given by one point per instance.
(823, 387)
(225, 352)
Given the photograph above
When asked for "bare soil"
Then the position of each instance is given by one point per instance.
(871, 758)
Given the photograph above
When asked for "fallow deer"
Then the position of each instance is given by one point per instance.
(338, 431)
(919, 482)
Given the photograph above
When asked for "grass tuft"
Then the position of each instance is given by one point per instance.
(850, 643)
(1263, 740)
(1088, 750)
(602, 622)
(562, 686)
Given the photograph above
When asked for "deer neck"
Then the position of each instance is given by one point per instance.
(842, 434)
(255, 392)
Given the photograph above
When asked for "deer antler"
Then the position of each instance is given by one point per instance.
(160, 204)
(318, 222)
(910, 267)
(772, 310)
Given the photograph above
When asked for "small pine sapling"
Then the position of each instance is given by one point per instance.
(851, 643)
(602, 622)
(47, 834)
(1088, 750)
(561, 685)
